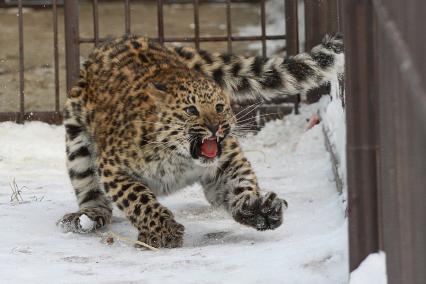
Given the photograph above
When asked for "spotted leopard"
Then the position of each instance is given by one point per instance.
(144, 120)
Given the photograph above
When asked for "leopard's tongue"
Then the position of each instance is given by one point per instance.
(209, 148)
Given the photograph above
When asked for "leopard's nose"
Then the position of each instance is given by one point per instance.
(213, 128)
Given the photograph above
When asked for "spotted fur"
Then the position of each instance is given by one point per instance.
(248, 78)
(136, 122)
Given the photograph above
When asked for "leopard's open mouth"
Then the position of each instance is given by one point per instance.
(206, 148)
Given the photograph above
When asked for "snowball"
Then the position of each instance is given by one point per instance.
(86, 223)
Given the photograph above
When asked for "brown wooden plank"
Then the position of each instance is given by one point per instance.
(402, 95)
(361, 130)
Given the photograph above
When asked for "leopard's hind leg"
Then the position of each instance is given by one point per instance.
(91, 198)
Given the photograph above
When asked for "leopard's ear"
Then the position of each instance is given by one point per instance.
(157, 89)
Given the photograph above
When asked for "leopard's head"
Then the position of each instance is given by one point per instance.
(198, 113)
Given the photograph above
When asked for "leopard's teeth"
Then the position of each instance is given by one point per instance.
(203, 140)
(217, 139)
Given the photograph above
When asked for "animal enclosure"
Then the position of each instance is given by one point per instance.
(384, 84)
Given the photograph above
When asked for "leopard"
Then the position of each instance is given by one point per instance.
(144, 120)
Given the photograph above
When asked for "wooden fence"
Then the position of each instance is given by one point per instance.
(385, 47)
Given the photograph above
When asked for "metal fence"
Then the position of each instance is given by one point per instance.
(53, 116)
(73, 40)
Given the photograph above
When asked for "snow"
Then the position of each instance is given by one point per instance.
(310, 247)
(334, 121)
(371, 271)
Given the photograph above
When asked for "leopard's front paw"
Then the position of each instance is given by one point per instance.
(260, 212)
(77, 222)
(167, 234)
(85, 220)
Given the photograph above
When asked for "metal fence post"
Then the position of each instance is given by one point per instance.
(72, 37)
(291, 27)
(292, 36)
(20, 118)
(321, 18)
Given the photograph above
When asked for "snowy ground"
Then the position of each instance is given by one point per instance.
(372, 270)
(310, 247)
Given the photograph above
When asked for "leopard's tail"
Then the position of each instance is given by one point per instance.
(91, 199)
(248, 77)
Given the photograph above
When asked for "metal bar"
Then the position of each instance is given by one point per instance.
(201, 39)
(196, 24)
(51, 117)
(332, 16)
(361, 91)
(229, 25)
(127, 16)
(28, 3)
(340, 15)
(321, 17)
(72, 47)
(21, 62)
(56, 52)
(291, 27)
(95, 21)
(263, 25)
(225, 38)
(160, 20)
(292, 33)
(207, 1)
(315, 22)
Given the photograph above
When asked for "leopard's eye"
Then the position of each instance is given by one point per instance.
(219, 108)
(192, 110)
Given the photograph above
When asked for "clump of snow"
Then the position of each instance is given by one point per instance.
(86, 223)
(334, 121)
(310, 246)
(372, 270)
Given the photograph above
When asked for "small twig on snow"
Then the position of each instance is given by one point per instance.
(129, 241)
(16, 192)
